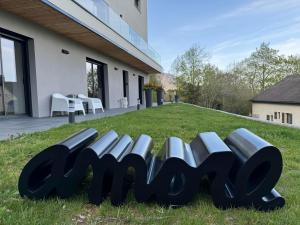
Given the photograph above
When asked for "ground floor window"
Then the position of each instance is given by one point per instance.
(96, 80)
(289, 118)
(125, 85)
(141, 89)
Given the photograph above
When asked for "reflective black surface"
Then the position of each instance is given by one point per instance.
(241, 171)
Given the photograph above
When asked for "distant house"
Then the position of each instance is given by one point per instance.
(280, 103)
(167, 80)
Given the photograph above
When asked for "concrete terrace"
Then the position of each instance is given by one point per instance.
(13, 126)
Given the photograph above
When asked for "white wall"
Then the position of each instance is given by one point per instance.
(116, 84)
(261, 110)
(52, 71)
(136, 18)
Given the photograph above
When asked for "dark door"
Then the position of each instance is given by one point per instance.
(125, 85)
(141, 89)
(14, 80)
(96, 84)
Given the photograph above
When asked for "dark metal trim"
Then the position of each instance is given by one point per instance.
(125, 84)
(2, 80)
(141, 82)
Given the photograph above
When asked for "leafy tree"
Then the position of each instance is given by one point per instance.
(291, 65)
(263, 67)
(211, 86)
(189, 70)
(201, 83)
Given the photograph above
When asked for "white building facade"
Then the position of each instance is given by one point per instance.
(93, 47)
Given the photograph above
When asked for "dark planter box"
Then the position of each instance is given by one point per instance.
(159, 95)
(148, 93)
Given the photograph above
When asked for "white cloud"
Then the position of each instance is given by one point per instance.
(254, 7)
(275, 31)
(195, 27)
(281, 30)
(223, 60)
(288, 47)
(261, 6)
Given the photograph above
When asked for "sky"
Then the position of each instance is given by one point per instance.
(229, 30)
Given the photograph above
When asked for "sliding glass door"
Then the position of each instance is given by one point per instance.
(12, 77)
(96, 83)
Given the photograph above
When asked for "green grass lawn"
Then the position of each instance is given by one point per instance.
(180, 120)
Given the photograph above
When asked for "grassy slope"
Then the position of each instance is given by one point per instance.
(172, 120)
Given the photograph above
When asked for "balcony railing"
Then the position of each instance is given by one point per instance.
(101, 10)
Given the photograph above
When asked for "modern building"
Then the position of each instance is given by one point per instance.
(94, 47)
(280, 103)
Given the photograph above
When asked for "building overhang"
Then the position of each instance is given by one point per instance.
(51, 15)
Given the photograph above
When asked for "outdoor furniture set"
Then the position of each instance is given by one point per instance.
(61, 103)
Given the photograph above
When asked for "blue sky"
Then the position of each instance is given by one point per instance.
(228, 29)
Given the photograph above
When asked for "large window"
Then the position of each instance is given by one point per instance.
(14, 88)
(95, 80)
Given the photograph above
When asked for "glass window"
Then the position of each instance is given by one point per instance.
(95, 80)
(12, 89)
(8, 60)
(289, 118)
(93, 90)
(275, 115)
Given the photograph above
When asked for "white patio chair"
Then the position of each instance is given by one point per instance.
(61, 103)
(124, 102)
(93, 103)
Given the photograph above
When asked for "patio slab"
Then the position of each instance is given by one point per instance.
(16, 125)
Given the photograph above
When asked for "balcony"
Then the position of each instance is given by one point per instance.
(109, 17)
(91, 24)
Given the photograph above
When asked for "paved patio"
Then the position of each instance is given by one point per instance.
(17, 125)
